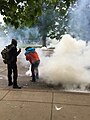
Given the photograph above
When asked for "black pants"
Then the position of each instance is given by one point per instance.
(12, 68)
(34, 70)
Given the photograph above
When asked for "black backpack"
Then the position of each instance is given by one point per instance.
(5, 54)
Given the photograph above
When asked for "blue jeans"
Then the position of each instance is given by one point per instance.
(34, 70)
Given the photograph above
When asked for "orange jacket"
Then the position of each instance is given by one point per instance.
(32, 57)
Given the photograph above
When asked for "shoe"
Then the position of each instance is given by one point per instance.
(33, 81)
(17, 87)
(9, 84)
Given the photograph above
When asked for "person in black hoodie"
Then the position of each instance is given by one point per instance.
(12, 64)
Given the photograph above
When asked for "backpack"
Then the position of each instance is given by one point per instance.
(5, 54)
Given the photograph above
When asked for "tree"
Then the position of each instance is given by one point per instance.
(53, 21)
(45, 22)
(24, 12)
(20, 13)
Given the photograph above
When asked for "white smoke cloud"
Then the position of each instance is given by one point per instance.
(69, 64)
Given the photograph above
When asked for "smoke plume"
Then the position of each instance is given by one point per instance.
(69, 64)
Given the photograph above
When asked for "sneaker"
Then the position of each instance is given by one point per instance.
(17, 87)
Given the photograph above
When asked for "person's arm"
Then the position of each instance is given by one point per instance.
(18, 52)
(28, 58)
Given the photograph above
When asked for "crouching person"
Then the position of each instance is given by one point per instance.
(33, 57)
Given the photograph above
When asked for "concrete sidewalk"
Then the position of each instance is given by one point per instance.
(34, 104)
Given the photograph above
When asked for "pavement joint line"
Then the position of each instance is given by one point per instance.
(27, 90)
(4, 95)
(47, 103)
(28, 101)
(52, 106)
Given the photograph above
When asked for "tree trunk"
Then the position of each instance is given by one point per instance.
(44, 41)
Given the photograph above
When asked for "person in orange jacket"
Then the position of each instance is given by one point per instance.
(33, 57)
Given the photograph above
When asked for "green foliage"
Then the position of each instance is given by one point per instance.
(44, 13)
(53, 21)
(24, 12)
(19, 12)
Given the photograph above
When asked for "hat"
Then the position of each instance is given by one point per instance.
(29, 50)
